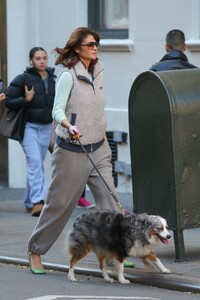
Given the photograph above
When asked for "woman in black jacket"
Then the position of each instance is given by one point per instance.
(34, 90)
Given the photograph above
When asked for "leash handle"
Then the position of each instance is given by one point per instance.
(116, 200)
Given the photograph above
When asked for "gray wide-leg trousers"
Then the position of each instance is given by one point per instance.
(71, 172)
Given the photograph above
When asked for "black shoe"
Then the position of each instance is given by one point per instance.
(37, 208)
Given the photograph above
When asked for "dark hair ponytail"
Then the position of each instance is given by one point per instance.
(33, 50)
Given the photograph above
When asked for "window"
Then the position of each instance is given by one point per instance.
(193, 44)
(109, 18)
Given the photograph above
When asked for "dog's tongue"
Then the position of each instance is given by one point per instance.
(166, 242)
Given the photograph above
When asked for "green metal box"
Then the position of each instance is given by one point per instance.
(164, 127)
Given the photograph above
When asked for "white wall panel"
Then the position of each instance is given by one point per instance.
(48, 23)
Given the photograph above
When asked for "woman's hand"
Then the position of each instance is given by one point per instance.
(29, 94)
(72, 129)
(2, 96)
(74, 132)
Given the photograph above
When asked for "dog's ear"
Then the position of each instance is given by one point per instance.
(153, 222)
(143, 218)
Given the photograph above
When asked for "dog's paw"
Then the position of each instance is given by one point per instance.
(124, 281)
(166, 271)
(109, 280)
(72, 277)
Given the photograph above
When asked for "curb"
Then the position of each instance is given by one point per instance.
(173, 282)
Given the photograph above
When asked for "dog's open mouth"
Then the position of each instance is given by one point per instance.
(163, 240)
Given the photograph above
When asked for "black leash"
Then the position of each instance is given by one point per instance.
(116, 200)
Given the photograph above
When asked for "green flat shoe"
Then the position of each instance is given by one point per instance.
(128, 264)
(38, 271)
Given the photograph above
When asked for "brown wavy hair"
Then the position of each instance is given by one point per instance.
(67, 56)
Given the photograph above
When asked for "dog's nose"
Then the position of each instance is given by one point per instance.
(168, 236)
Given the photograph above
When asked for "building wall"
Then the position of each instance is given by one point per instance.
(48, 23)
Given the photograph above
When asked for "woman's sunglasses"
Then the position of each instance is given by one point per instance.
(91, 45)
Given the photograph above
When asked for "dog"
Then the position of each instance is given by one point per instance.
(113, 237)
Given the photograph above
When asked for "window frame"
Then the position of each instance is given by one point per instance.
(193, 44)
(94, 22)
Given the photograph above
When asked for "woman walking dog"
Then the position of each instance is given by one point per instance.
(79, 112)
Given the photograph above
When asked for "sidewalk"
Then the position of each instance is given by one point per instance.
(16, 226)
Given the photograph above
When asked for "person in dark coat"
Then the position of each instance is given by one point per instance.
(175, 58)
(34, 90)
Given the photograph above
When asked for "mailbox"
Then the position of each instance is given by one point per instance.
(164, 128)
